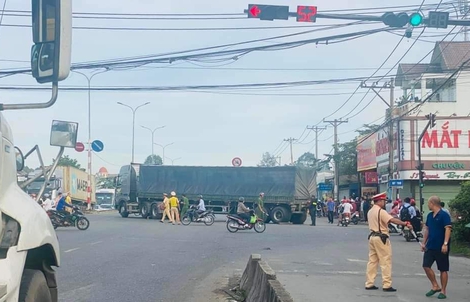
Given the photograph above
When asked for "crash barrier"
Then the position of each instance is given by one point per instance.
(260, 284)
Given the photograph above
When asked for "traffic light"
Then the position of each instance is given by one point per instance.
(438, 19)
(409, 32)
(421, 178)
(268, 12)
(395, 20)
(416, 19)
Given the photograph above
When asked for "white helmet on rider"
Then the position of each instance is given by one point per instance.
(173, 193)
(241, 199)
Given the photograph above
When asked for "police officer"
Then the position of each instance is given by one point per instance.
(380, 249)
(313, 210)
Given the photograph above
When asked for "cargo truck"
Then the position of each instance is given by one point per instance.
(287, 189)
(65, 179)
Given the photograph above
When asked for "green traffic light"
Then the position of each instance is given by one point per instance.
(416, 19)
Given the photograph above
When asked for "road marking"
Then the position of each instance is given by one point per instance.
(93, 243)
(71, 250)
(357, 260)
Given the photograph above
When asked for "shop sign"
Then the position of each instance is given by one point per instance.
(448, 166)
(371, 177)
(366, 153)
(437, 175)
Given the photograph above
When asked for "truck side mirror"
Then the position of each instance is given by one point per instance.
(52, 37)
(19, 159)
(64, 134)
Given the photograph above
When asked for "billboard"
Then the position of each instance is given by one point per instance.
(366, 152)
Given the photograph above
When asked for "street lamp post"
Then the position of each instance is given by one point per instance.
(152, 131)
(133, 122)
(89, 78)
(173, 160)
(163, 147)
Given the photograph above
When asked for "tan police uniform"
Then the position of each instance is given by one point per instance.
(380, 249)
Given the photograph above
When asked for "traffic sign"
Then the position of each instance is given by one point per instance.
(79, 147)
(395, 183)
(237, 162)
(325, 187)
(97, 146)
(307, 13)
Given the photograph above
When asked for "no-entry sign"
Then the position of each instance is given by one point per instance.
(79, 147)
(237, 162)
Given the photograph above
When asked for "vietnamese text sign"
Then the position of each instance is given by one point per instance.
(437, 175)
(366, 152)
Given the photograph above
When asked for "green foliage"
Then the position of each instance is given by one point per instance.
(346, 158)
(368, 129)
(268, 160)
(460, 205)
(66, 161)
(104, 183)
(153, 160)
(307, 160)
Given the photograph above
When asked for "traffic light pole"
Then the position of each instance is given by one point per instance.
(420, 168)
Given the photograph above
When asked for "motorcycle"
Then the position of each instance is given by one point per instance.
(345, 221)
(75, 219)
(207, 217)
(235, 223)
(355, 218)
(393, 228)
(409, 235)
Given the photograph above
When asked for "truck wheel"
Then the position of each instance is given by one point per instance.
(123, 210)
(34, 287)
(299, 218)
(144, 210)
(154, 211)
(280, 214)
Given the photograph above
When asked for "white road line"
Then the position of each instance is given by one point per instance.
(93, 243)
(357, 260)
(71, 250)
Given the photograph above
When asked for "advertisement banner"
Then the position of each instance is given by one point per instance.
(366, 152)
(437, 175)
(371, 178)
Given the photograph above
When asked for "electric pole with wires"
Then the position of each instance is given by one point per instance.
(291, 140)
(316, 129)
(335, 123)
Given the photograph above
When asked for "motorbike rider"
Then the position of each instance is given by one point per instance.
(345, 210)
(242, 211)
(201, 207)
(60, 208)
(47, 203)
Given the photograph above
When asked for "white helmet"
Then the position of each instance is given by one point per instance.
(173, 193)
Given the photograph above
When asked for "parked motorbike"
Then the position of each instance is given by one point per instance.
(235, 223)
(76, 219)
(355, 218)
(207, 217)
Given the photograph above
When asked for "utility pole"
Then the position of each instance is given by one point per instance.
(316, 129)
(278, 158)
(463, 9)
(391, 108)
(430, 124)
(291, 140)
(335, 123)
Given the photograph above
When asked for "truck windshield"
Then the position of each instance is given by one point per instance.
(38, 184)
(104, 198)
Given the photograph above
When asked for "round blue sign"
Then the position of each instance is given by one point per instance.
(97, 146)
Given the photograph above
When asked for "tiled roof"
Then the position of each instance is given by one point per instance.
(450, 55)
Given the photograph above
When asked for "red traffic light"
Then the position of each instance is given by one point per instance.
(306, 13)
(254, 11)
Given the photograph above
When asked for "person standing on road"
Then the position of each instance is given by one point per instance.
(436, 246)
(174, 208)
(260, 211)
(366, 208)
(380, 249)
(165, 207)
(185, 206)
(313, 210)
(331, 210)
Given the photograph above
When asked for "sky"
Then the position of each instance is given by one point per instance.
(209, 127)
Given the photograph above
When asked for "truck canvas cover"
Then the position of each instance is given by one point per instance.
(285, 182)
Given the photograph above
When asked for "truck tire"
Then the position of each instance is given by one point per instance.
(155, 212)
(144, 210)
(34, 287)
(123, 209)
(280, 214)
(299, 218)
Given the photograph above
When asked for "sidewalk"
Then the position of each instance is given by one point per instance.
(334, 269)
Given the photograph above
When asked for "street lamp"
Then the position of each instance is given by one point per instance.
(89, 78)
(152, 131)
(173, 160)
(133, 122)
(163, 147)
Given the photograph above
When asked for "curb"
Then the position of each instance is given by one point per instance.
(259, 282)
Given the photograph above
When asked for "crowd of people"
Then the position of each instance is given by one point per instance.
(174, 208)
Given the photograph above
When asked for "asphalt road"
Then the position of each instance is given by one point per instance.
(134, 259)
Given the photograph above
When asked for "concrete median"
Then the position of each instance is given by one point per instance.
(259, 283)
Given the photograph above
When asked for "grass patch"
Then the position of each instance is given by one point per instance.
(460, 249)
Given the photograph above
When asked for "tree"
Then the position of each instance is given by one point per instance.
(460, 205)
(104, 182)
(346, 158)
(153, 160)
(307, 160)
(66, 161)
(369, 129)
(268, 160)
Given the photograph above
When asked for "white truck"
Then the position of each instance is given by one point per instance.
(105, 199)
(28, 243)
